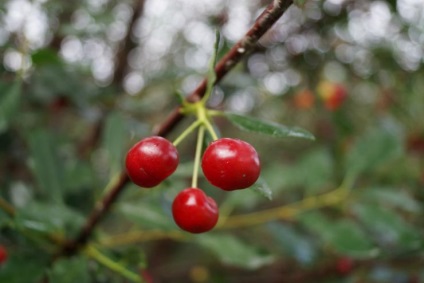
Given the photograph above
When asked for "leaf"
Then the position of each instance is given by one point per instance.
(146, 215)
(375, 147)
(25, 267)
(395, 198)
(344, 236)
(295, 244)
(45, 165)
(211, 77)
(388, 227)
(262, 188)
(114, 140)
(232, 251)
(9, 104)
(70, 270)
(273, 129)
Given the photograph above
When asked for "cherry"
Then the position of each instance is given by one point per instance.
(194, 211)
(336, 99)
(3, 254)
(151, 160)
(231, 164)
(344, 265)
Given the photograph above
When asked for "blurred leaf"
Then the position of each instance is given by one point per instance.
(24, 267)
(70, 270)
(48, 218)
(388, 227)
(232, 251)
(344, 236)
(114, 140)
(146, 214)
(396, 198)
(9, 103)
(372, 149)
(211, 76)
(273, 129)
(262, 188)
(293, 243)
(45, 164)
(45, 56)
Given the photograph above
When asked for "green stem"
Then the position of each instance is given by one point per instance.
(200, 137)
(186, 132)
(112, 265)
(7, 207)
(210, 129)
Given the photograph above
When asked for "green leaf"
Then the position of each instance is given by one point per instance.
(273, 129)
(388, 227)
(393, 197)
(211, 77)
(146, 214)
(344, 236)
(45, 165)
(70, 270)
(25, 267)
(114, 140)
(374, 148)
(262, 188)
(10, 97)
(232, 251)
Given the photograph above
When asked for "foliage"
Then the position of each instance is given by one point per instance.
(335, 183)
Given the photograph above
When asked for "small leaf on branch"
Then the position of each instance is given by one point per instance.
(262, 188)
(273, 129)
(211, 76)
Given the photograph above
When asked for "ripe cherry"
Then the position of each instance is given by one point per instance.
(194, 211)
(231, 164)
(151, 160)
(336, 99)
(344, 265)
(3, 254)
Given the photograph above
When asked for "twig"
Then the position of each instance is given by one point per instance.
(263, 23)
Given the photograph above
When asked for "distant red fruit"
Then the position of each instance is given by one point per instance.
(344, 265)
(332, 94)
(304, 99)
(3, 254)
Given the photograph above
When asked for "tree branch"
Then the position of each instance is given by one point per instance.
(243, 47)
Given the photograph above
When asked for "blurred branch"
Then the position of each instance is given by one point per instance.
(285, 212)
(239, 51)
(243, 47)
(121, 59)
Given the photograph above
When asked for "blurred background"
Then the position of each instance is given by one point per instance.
(81, 81)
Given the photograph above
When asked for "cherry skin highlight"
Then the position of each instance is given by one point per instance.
(150, 161)
(231, 164)
(194, 211)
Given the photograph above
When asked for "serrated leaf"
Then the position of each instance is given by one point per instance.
(344, 236)
(388, 227)
(249, 124)
(232, 251)
(9, 104)
(262, 188)
(46, 166)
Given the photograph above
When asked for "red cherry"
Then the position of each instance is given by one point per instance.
(344, 265)
(194, 211)
(336, 99)
(3, 254)
(231, 164)
(151, 160)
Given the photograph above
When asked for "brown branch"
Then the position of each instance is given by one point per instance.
(263, 23)
(121, 60)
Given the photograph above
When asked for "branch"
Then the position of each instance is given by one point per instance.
(263, 23)
(239, 51)
(121, 60)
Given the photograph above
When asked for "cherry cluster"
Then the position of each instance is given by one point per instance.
(227, 163)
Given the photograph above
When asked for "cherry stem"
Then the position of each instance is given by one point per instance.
(197, 157)
(186, 132)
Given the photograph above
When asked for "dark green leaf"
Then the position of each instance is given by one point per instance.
(9, 104)
(232, 251)
(388, 227)
(70, 270)
(45, 165)
(273, 129)
(344, 236)
(146, 214)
